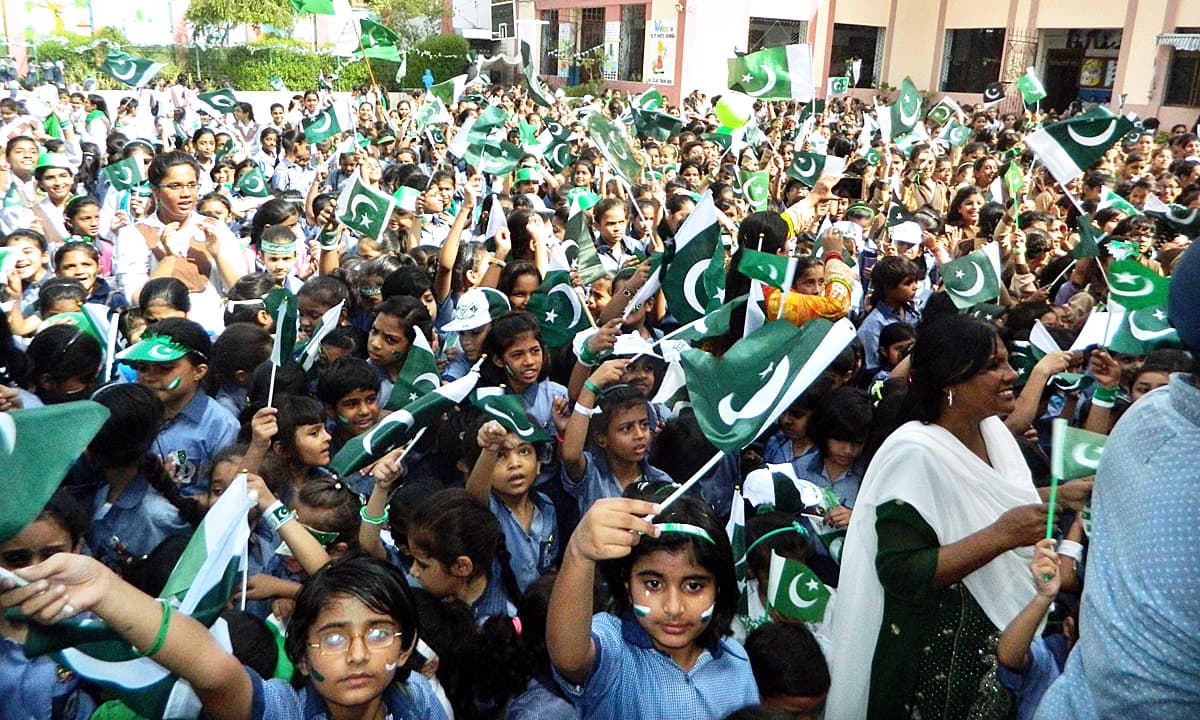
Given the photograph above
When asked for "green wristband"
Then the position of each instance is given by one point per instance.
(1104, 396)
(362, 512)
(596, 389)
(162, 630)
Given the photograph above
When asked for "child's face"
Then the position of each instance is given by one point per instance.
(224, 176)
(368, 249)
(1147, 381)
(523, 361)
(312, 445)
(30, 259)
(612, 225)
(673, 599)
(812, 282)
(174, 381)
(904, 292)
(387, 344)
(86, 222)
(157, 310)
(598, 296)
(435, 577)
(352, 660)
(516, 467)
(640, 374)
(896, 352)
(794, 423)
(37, 541)
(309, 312)
(216, 210)
(471, 341)
(278, 266)
(844, 452)
(358, 410)
(523, 287)
(628, 434)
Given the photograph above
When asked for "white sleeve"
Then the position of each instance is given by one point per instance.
(131, 261)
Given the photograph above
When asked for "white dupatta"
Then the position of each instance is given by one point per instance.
(957, 494)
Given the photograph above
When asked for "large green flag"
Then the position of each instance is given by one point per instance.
(795, 592)
(223, 100)
(327, 123)
(559, 309)
(130, 69)
(553, 144)
(378, 42)
(450, 91)
(1070, 146)
(1141, 331)
(954, 133)
(973, 278)
(508, 409)
(903, 115)
(737, 396)
(711, 324)
(767, 268)
(284, 308)
(398, 427)
(615, 148)
(253, 184)
(125, 175)
(418, 375)
(364, 210)
(1177, 218)
(778, 73)
(495, 158)
(1135, 286)
(655, 124)
(685, 278)
(808, 167)
(432, 112)
(579, 236)
(1074, 453)
(1032, 90)
(316, 7)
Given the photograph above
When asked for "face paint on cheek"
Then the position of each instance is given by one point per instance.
(389, 666)
(343, 419)
(707, 614)
(641, 610)
(174, 384)
(316, 675)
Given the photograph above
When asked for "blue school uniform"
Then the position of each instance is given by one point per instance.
(533, 552)
(846, 487)
(232, 397)
(880, 317)
(137, 521)
(33, 689)
(1046, 659)
(778, 450)
(539, 404)
(193, 436)
(278, 700)
(633, 679)
(598, 482)
(541, 703)
(494, 600)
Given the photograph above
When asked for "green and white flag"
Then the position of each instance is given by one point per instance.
(329, 320)
(364, 210)
(432, 112)
(1110, 198)
(538, 92)
(558, 309)
(756, 188)
(508, 409)
(1070, 146)
(329, 122)
(768, 268)
(130, 69)
(735, 528)
(778, 73)
(993, 94)
(200, 586)
(655, 124)
(450, 91)
(585, 256)
(1140, 331)
(808, 167)
(223, 100)
(377, 42)
(837, 86)
(1089, 237)
(398, 427)
(652, 99)
(284, 308)
(954, 133)
(615, 148)
(1032, 90)
(777, 486)
(795, 592)
(315, 7)
(254, 184)
(712, 324)
(945, 110)
(974, 278)
(418, 375)
(123, 175)
(553, 144)
(1179, 219)
(1134, 286)
(689, 287)
(741, 393)
(1074, 453)
(903, 115)
(494, 157)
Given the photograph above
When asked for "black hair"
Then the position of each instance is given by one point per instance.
(63, 352)
(894, 333)
(518, 228)
(409, 280)
(966, 191)
(168, 290)
(190, 335)
(504, 332)
(150, 572)
(374, 582)
(331, 493)
(501, 659)
(163, 162)
(344, 376)
(242, 347)
(75, 246)
(759, 712)
(295, 411)
(889, 273)
(762, 231)
(845, 414)
(33, 236)
(254, 286)
(949, 351)
(716, 557)
(411, 313)
(792, 545)
(508, 276)
(277, 234)
(325, 290)
(787, 661)
(59, 289)
(64, 510)
(253, 643)
(76, 205)
(290, 379)
(275, 211)
(615, 399)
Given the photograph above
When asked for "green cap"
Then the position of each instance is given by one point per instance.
(406, 198)
(154, 348)
(528, 174)
(48, 160)
(586, 198)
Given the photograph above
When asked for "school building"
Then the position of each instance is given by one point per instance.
(1146, 52)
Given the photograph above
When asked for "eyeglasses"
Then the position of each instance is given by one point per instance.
(180, 187)
(337, 642)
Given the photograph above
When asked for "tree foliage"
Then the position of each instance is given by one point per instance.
(213, 19)
(412, 20)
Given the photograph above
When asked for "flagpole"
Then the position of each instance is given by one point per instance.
(363, 50)
(271, 388)
(252, 496)
(679, 491)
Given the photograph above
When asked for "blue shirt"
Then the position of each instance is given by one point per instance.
(192, 437)
(633, 679)
(1046, 656)
(138, 519)
(539, 404)
(1138, 655)
(33, 689)
(846, 487)
(598, 482)
(882, 316)
(778, 450)
(278, 700)
(532, 553)
(539, 702)
(494, 600)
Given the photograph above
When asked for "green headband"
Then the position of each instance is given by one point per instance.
(270, 248)
(686, 529)
(795, 527)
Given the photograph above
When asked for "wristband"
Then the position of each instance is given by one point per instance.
(498, 262)
(162, 630)
(831, 256)
(362, 513)
(1071, 549)
(278, 515)
(596, 389)
(1104, 397)
(587, 357)
(584, 411)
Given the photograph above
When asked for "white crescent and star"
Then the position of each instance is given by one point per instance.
(1132, 289)
(360, 200)
(978, 284)
(574, 301)
(795, 597)
(761, 401)
(123, 76)
(693, 278)
(1093, 140)
(1087, 456)
(1143, 334)
(401, 417)
(908, 119)
(768, 86)
(427, 377)
(321, 124)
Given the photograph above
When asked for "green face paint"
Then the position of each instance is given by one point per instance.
(343, 419)
(641, 611)
(174, 384)
(316, 675)
(707, 614)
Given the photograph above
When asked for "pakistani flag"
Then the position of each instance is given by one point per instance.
(777, 486)
(954, 133)
(223, 100)
(1140, 331)
(1110, 198)
(837, 86)
(686, 281)
(945, 109)
(768, 268)
(711, 324)
(1032, 90)
(740, 394)
(199, 586)
(974, 278)
(509, 410)
(129, 69)
(559, 309)
(123, 175)
(315, 7)
(993, 94)
(1074, 453)
(655, 125)
(538, 92)
(432, 112)
(329, 320)
(1070, 146)
(795, 592)
(450, 91)
(808, 167)
(284, 307)
(554, 145)
(398, 427)
(735, 528)
(903, 115)
(377, 42)
(1014, 182)
(1089, 236)
(327, 123)
(364, 210)
(1134, 286)
(615, 148)
(579, 236)
(652, 99)
(756, 188)
(897, 214)
(1179, 219)
(253, 184)
(418, 375)
(778, 73)
(494, 157)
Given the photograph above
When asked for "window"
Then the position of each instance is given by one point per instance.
(589, 53)
(972, 59)
(770, 32)
(503, 24)
(549, 63)
(858, 42)
(633, 42)
(1183, 75)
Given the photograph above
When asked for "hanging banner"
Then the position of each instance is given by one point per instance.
(612, 46)
(566, 40)
(660, 41)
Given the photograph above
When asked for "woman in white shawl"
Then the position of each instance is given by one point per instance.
(934, 563)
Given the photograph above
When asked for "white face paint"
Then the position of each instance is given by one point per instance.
(707, 614)
(641, 610)
(389, 666)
